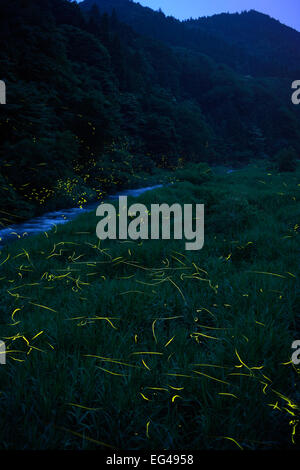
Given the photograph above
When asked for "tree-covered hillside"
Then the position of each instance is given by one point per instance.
(92, 103)
(250, 42)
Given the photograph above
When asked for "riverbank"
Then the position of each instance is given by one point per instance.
(143, 345)
(48, 220)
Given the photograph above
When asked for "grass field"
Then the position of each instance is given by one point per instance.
(143, 345)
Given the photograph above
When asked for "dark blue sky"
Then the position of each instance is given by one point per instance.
(286, 11)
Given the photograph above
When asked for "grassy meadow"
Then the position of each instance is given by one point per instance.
(143, 345)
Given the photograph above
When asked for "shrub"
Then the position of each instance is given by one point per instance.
(286, 159)
(196, 174)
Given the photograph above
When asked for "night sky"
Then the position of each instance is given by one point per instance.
(286, 11)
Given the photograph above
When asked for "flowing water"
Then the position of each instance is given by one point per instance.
(47, 221)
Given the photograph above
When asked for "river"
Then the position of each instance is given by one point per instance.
(46, 222)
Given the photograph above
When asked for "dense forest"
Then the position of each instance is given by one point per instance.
(250, 42)
(102, 92)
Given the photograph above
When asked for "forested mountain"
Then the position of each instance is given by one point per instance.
(251, 42)
(91, 101)
(272, 48)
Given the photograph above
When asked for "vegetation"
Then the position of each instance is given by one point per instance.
(243, 41)
(93, 103)
(143, 345)
(286, 160)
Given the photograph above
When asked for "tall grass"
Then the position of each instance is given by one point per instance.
(143, 345)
